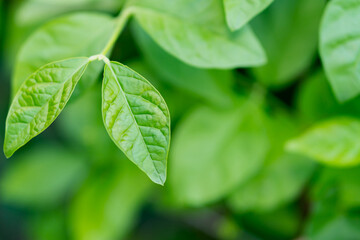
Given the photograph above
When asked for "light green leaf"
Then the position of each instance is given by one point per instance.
(277, 184)
(40, 100)
(339, 47)
(74, 35)
(137, 119)
(334, 142)
(215, 151)
(105, 208)
(240, 12)
(282, 175)
(181, 27)
(288, 30)
(211, 85)
(41, 178)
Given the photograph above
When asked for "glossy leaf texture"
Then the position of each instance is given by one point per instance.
(23, 182)
(240, 12)
(282, 176)
(339, 47)
(74, 35)
(137, 119)
(106, 206)
(226, 147)
(333, 142)
(40, 100)
(181, 27)
(288, 30)
(213, 86)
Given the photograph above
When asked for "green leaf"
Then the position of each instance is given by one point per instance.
(282, 176)
(215, 151)
(105, 208)
(74, 35)
(277, 184)
(240, 12)
(181, 27)
(340, 186)
(41, 178)
(288, 30)
(137, 119)
(316, 101)
(211, 85)
(40, 100)
(339, 47)
(333, 142)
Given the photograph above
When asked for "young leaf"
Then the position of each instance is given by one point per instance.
(334, 142)
(23, 182)
(74, 35)
(240, 12)
(215, 151)
(182, 27)
(288, 30)
(339, 47)
(137, 119)
(40, 100)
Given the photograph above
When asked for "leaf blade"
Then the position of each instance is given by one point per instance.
(40, 100)
(137, 119)
(240, 12)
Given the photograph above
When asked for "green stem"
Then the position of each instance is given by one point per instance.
(121, 21)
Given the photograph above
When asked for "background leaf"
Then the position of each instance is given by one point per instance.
(106, 206)
(74, 35)
(334, 142)
(240, 12)
(339, 46)
(227, 147)
(288, 30)
(211, 85)
(23, 183)
(182, 26)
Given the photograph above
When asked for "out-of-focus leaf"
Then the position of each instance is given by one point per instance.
(215, 151)
(182, 27)
(240, 12)
(40, 100)
(342, 186)
(277, 184)
(47, 225)
(316, 101)
(339, 47)
(328, 224)
(106, 206)
(334, 142)
(74, 35)
(288, 30)
(286, 225)
(32, 12)
(137, 119)
(211, 85)
(81, 124)
(282, 177)
(42, 177)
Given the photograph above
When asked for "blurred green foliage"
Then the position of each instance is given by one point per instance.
(262, 152)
